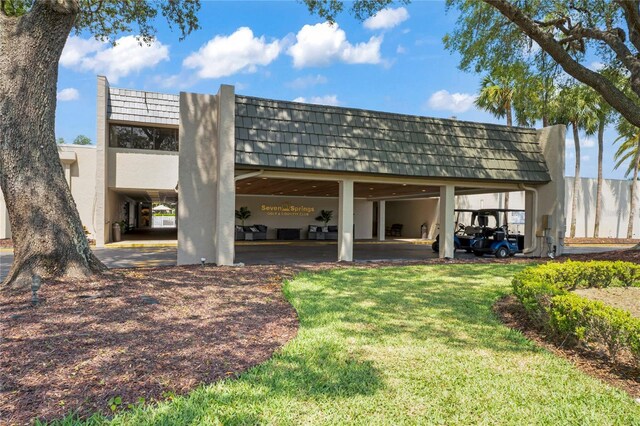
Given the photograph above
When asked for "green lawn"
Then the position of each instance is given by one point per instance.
(410, 345)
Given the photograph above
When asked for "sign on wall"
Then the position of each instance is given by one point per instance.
(286, 209)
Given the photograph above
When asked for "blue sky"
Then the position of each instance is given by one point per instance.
(394, 62)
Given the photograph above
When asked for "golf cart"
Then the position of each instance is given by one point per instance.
(496, 239)
(461, 239)
(487, 234)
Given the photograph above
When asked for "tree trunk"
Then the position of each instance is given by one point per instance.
(632, 196)
(47, 233)
(576, 180)
(596, 226)
(509, 114)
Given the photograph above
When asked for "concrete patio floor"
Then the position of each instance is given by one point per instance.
(280, 252)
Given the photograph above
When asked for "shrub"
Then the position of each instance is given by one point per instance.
(545, 292)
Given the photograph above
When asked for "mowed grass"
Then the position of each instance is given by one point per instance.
(405, 345)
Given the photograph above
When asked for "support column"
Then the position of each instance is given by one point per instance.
(447, 202)
(345, 221)
(101, 222)
(529, 219)
(381, 219)
(226, 194)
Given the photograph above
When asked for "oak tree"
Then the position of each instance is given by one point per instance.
(48, 237)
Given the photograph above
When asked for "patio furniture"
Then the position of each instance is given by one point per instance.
(288, 233)
(394, 231)
(322, 232)
(251, 233)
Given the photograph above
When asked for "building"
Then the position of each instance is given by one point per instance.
(287, 161)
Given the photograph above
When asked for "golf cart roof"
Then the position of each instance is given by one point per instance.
(490, 211)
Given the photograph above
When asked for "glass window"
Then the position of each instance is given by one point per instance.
(139, 137)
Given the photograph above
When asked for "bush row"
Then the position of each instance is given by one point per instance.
(545, 292)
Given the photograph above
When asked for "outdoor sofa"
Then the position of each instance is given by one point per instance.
(253, 232)
(322, 232)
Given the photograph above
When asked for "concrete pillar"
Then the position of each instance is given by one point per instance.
(447, 225)
(206, 190)
(101, 223)
(550, 197)
(382, 205)
(226, 191)
(345, 221)
(529, 228)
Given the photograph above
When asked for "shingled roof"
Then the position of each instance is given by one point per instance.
(143, 107)
(280, 134)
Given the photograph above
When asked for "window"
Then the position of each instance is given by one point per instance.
(138, 137)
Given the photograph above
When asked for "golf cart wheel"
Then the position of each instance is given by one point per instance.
(435, 246)
(478, 253)
(502, 252)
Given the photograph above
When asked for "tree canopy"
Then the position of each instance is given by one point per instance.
(104, 19)
(582, 36)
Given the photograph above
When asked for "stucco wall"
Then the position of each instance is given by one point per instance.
(142, 169)
(83, 184)
(363, 213)
(412, 214)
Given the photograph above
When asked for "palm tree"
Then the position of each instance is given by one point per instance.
(575, 112)
(604, 114)
(629, 152)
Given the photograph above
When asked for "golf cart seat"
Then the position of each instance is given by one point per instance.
(472, 230)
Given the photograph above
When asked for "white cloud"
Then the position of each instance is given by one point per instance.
(76, 49)
(587, 142)
(454, 102)
(126, 57)
(322, 44)
(321, 100)
(387, 18)
(401, 49)
(68, 94)
(226, 55)
(307, 81)
(585, 158)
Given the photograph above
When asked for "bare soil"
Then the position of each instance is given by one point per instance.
(627, 298)
(591, 360)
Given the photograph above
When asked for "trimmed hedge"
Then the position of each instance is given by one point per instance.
(545, 292)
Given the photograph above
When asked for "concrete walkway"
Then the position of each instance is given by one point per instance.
(281, 252)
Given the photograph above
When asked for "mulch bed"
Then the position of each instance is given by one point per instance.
(593, 362)
(149, 332)
(601, 240)
(136, 333)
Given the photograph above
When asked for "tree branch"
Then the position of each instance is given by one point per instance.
(614, 96)
(631, 11)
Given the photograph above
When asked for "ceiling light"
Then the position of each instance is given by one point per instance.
(295, 190)
(404, 184)
(424, 190)
(370, 189)
(313, 186)
(264, 178)
(393, 193)
(248, 183)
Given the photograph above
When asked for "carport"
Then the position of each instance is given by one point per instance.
(234, 146)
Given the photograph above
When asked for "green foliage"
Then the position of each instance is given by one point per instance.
(361, 9)
(243, 214)
(544, 291)
(107, 19)
(82, 140)
(325, 216)
(628, 151)
(60, 141)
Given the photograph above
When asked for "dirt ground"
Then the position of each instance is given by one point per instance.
(618, 297)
